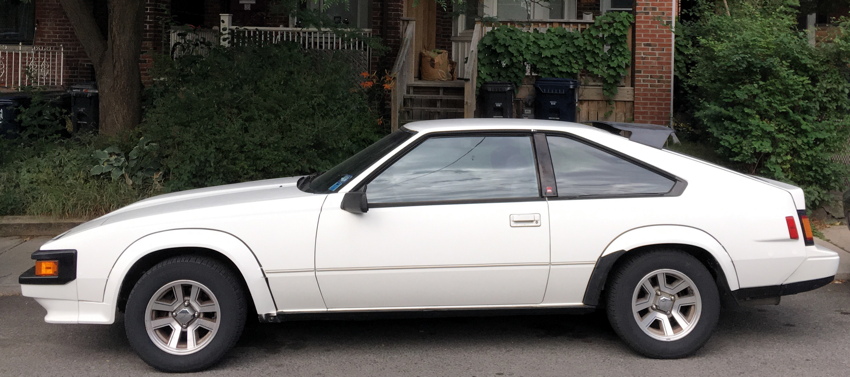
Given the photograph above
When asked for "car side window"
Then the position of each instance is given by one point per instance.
(583, 170)
(459, 168)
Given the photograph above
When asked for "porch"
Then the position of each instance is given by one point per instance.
(443, 99)
(22, 66)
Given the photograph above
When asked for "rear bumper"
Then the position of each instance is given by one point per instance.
(817, 270)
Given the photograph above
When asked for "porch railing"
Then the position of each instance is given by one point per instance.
(403, 69)
(470, 72)
(308, 38)
(31, 66)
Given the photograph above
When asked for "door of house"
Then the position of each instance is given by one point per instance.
(425, 14)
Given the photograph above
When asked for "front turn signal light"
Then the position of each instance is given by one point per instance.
(47, 268)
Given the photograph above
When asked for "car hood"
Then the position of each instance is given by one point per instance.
(172, 206)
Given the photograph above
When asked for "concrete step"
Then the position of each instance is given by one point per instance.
(35, 225)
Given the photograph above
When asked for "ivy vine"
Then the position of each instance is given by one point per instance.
(506, 52)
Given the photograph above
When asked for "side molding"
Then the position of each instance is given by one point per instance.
(223, 243)
(656, 235)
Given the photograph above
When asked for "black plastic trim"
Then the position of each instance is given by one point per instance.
(545, 169)
(776, 291)
(599, 277)
(421, 313)
(67, 268)
(450, 202)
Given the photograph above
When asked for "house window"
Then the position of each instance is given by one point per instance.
(617, 5)
(524, 10)
(17, 22)
(347, 14)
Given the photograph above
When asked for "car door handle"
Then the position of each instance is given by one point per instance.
(530, 219)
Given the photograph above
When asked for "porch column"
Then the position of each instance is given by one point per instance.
(654, 49)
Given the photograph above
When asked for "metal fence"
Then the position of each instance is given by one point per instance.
(31, 66)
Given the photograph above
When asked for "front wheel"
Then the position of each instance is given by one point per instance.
(663, 304)
(185, 314)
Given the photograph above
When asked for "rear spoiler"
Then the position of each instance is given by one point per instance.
(652, 135)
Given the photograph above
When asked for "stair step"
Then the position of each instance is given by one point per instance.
(438, 109)
(439, 84)
(433, 96)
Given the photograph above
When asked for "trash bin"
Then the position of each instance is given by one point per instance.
(84, 107)
(10, 128)
(556, 99)
(498, 99)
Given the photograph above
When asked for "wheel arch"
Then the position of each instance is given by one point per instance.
(633, 243)
(220, 246)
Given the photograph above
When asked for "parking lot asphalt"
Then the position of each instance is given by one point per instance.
(15, 252)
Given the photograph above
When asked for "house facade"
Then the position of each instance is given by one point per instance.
(645, 96)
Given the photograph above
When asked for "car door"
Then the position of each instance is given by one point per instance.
(456, 221)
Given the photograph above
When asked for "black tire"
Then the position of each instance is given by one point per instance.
(673, 324)
(204, 300)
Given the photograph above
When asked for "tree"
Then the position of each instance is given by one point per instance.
(115, 58)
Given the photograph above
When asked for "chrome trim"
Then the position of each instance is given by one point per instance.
(293, 271)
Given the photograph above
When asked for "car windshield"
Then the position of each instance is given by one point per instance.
(339, 175)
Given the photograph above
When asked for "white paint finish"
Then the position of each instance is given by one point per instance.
(67, 291)
(416, 239)
(59, 311)
(820, 263)
(96, 313)
(434, 287)
(567, 284)
(296, 292)
(223, 243)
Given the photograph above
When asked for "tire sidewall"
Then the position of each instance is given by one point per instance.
(204, 271)
(620, 297)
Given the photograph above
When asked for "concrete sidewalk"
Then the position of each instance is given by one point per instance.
(15, 252)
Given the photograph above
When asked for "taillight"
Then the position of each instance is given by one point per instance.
(808, 236)
(792, 227)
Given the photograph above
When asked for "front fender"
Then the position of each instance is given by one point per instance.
(224, 243)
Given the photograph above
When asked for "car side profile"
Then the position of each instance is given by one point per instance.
(451, 215)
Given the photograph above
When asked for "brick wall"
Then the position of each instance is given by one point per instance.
(444, 28)
(53, 30)
(154, 36)
(653, 68)
(392, 39)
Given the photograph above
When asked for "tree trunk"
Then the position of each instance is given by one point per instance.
(115, 59)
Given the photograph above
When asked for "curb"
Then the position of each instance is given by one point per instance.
(21, 226)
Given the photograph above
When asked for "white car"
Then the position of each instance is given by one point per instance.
(453, 215)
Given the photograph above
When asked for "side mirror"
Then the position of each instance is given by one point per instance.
(355, 202)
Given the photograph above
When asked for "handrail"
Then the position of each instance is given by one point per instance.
(471, 73)
(403, 71)
(31, 66)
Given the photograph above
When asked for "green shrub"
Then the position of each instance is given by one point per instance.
(600, 50)
(253, 112)
(769, 101)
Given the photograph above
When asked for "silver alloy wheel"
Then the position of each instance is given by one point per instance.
(666, 305)
(182, 317)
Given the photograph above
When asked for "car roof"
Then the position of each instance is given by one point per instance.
(646, 134)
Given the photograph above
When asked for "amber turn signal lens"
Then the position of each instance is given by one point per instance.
(47, 268)
(807, 228)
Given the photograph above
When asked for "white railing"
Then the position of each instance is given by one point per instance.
(31, 66)
(307, 38)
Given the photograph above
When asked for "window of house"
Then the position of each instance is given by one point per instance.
(584, 170)
(618, 5)
(523, 10)
(17, 22)
(481, 167)
(346, 14)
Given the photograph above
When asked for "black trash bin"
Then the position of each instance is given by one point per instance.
(84, 107)
(10, 128)
(556, 99)
(498, 99)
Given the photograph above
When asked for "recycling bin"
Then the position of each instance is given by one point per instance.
(556, 99)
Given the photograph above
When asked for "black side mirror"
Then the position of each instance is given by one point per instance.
(355, 202)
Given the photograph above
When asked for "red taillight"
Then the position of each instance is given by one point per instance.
(792, 228)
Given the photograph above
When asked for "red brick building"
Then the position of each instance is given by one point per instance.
(646, 99)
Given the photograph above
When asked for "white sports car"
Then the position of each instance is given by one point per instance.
(454, 215)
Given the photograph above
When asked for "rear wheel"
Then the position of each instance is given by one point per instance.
(663, 304)
(185, 314)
